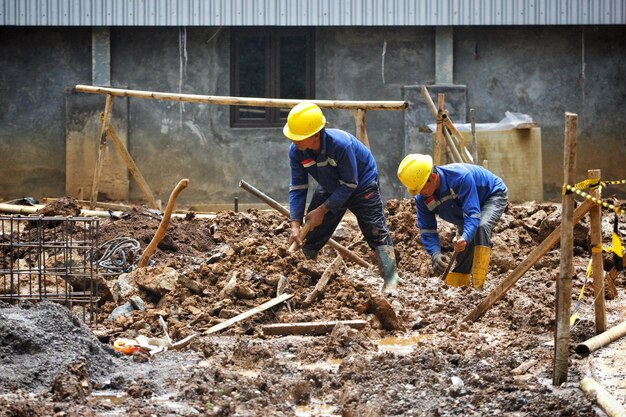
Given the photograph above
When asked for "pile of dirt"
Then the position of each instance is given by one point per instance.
(429, 362)
(40, 341)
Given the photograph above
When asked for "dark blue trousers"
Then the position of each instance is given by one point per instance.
(366, 205)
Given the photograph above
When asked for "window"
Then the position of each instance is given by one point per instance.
(270, 63)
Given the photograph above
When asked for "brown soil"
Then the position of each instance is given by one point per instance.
(414, 357)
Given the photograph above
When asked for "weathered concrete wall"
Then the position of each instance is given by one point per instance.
(539, 71)
(37, 65)
(530, 70)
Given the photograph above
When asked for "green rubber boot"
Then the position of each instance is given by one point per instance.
(387, 267)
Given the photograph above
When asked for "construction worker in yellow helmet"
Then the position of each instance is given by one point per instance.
(347, 179)
(468, 196)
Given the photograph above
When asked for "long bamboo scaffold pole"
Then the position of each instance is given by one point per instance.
(242, 101)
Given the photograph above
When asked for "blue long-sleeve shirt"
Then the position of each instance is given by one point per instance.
(462, 191)
(344, 165)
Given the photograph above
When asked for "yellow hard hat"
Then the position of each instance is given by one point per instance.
(304, 120)
(414, 171)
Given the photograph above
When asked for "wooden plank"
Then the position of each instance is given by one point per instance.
(566, 270)
(527, 125)
(504, 286)
(243, 101)
(309, 328)
(256, 310)
(132, 167)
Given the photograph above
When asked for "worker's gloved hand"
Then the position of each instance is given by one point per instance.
(440, 262)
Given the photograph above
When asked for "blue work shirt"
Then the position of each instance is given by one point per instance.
(344, 165)
(463, 189)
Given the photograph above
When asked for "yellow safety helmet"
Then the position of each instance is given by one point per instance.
(414, 171)
(304, 120)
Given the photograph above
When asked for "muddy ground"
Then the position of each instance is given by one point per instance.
(420, 359)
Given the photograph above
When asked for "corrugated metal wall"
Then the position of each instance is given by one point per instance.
(310, 12)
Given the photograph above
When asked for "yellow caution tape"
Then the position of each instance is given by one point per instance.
(583, 194)
(574, 315)
(607, 183)
(591, 183)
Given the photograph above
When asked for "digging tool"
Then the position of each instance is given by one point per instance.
(344, 252)
(303, 232)
(452, 259)
(449, 267)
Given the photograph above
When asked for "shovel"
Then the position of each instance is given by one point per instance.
(449, 267)
(452, 259)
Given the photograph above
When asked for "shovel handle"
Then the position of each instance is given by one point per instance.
(449, 267)
(303, 232)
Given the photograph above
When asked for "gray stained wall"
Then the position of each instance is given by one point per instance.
(532, 70)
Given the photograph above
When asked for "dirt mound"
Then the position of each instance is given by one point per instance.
(41, 341)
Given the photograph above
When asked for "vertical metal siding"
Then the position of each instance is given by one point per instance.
(310, 12)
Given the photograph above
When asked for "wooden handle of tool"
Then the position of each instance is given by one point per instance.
(303, 232)
(182, 184)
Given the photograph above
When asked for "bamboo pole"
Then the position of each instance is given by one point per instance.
(343, 251)
(607, 402)
(29, 210)
(474, 145)
(465, 154)
(104, 127)
(439, 148)
(601, 340)
(433, 110)
(597, 262)
(498, 292)
(132, 167)
(182, 184)
(242, 101)
(361, 131)
(564, 281)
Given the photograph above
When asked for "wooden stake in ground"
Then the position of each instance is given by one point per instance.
(564, 282)
(104, 127)
(182, 184)
(597, 263)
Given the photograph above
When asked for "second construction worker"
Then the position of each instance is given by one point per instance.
(347, 179)
(468, 196)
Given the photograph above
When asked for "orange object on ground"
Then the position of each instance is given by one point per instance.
(127, 346)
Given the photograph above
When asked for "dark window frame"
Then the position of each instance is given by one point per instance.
(272, 35)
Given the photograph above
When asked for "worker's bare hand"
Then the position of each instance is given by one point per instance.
(315, 217)
(459, 244)
(295, 234)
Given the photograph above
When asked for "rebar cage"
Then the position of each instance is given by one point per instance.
(50, 258)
